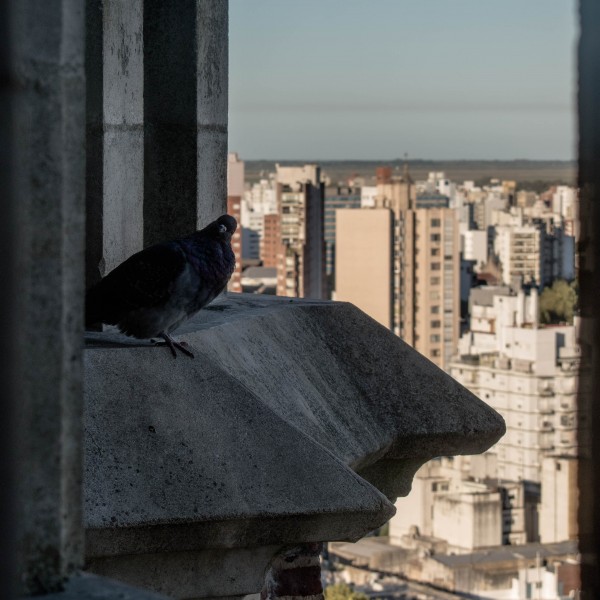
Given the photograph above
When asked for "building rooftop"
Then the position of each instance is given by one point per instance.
(260, 273)
(484, 295)
(504, 554)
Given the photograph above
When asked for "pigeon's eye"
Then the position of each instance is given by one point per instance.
(222, 228)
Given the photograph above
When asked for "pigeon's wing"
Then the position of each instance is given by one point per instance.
(144, 280)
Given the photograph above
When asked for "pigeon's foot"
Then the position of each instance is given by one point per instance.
(173, 345)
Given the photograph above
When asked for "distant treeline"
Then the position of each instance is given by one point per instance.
(529, 174)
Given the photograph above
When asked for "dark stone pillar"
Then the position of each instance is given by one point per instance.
(48, 38)
(589, 281)
(185, 143)
(8, 305)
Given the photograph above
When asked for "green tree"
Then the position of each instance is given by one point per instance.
(559, 302)
(342, 591)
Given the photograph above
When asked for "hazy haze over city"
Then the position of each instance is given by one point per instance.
(365, 79)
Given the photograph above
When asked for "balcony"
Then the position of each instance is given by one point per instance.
(258, 443)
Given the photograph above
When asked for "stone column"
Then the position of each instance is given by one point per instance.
(8, 305)
(185, 142)
(212, 35)
(48, 45)
(115, 136)
(589, 281)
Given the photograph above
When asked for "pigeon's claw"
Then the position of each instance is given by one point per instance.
(174, 346)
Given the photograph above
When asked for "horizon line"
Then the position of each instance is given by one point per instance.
(572, 161)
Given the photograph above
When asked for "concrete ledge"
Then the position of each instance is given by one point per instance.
(293, 423)
(91, 587)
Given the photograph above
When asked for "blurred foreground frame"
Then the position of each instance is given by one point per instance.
(260, 392)
(589, 281)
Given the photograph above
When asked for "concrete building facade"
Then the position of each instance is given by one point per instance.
(336, 197)
(301, 256)
(449, 508)
(470, 518)
(526, 372)
(258, 202)
(271, 240)
(234, 208)
(520, 250)
(423, 282)
(364, 244)
(560, 499)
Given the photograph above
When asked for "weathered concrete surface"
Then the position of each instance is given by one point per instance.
(258, 440)
(49, 129)
(92, 587)
(212, 36)
(115, 134)
(192, 574)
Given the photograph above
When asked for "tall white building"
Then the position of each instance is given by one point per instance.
(449, 503)
(258, 201)
(235, 175)
(526, 372)
(560, 493)
(537, 252)
(520, 250)
(301, 208)
(474, 246)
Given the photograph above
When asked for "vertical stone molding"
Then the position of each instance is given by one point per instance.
(115, 135)
(185, 141)
(48, 44)
(212, 33)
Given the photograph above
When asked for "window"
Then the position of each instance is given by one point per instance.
(436, 266)
(435, 310)
(435, 252)
(435, 223)
(434, 281)
(435, 237)
(436, 353)
(436, 324)
(434, 338)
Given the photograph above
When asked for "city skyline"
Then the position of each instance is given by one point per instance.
(436, 80)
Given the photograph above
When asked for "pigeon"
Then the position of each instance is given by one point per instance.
(154, 291)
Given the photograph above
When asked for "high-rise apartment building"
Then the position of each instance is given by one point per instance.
(422, 283)
(336, 197)
(270, 245)
(301, 253)
(234, 208)
(527, 372)
(535, 252)
(364, 253)
(520, 250)
(235, 175)
(235, 191)
(258, 202)
(560, 494)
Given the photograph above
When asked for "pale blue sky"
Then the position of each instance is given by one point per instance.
(373, 79)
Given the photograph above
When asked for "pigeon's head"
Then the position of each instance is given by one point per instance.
(223, 228)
